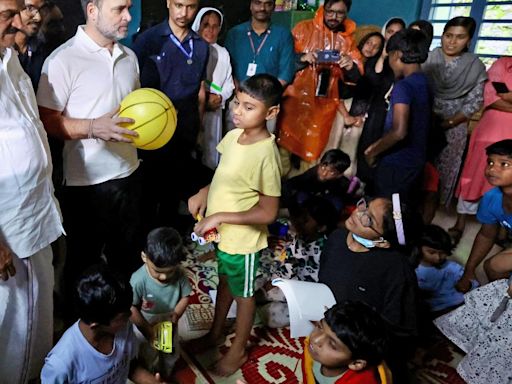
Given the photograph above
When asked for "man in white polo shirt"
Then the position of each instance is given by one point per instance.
(81, 87)
(29, 220)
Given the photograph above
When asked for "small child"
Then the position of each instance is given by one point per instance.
(101, 346)
(242, 199)
(325, 179)
(347, 346)
(299, 256)
(436, 275)
(494, 212)
(401, 151)
(160, 293)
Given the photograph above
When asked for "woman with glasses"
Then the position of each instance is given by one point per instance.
(365, 262)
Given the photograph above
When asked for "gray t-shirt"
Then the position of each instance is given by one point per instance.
(74, 360)
(157, 300)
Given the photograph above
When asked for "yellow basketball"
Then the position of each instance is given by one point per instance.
(154, 115)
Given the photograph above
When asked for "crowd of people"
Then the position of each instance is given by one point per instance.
(352, 137)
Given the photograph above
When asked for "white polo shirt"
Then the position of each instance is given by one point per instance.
(29, 213)
(84, 81)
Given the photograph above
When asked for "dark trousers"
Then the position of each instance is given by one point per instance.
(102, 219)
(391, 179)
(170, 174)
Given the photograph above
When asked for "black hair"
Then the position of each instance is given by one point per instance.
(348, 3)
(361, 329)
(321, 210)
(102, 295)
(367, 37)
(337, 159)
(411, 222)
(212, 12)
(164, 247)
(263, 87)
(412, 43)
(462, 21)
(395, 20)
(426, 27)
(434, 237)
(502, 148)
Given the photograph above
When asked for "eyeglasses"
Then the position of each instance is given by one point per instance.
(8, 15)
(337, 14)
(364, 217)
(33, 10)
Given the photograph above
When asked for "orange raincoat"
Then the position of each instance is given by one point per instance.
(305, 120)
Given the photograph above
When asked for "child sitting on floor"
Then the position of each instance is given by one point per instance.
(325, 179)
(160, 293)
(494, 212)
(297, 257)
(101, 346)
(436, 275)
(347, 346)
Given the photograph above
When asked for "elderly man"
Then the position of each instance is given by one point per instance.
(81, 87)
(30, 218)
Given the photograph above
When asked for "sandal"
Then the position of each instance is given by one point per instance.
(456, 235)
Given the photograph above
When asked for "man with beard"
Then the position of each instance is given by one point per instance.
(257, 46)
(81, 87)
(30, 48)
(30, 219)
(173, 59)
(329, 58)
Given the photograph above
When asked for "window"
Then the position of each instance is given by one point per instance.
(493, 37)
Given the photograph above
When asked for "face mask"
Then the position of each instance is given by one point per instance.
(364, 242)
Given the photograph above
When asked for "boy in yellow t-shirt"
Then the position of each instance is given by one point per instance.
(241, 200)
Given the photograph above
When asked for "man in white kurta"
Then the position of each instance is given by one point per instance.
(29, 219)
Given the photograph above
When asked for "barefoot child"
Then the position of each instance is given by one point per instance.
(241, 201)
(347, 346)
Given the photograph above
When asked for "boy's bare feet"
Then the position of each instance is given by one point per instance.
(230, 362)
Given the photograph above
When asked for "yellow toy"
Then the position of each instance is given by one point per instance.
(209, 236)
(163, 337)
(154, 115)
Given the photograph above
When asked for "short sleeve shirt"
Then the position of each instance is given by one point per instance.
(85, 81)
(276, 56)
(244, 172)
(490, 210)
(412, 90)
(156, 299)
(74, 360)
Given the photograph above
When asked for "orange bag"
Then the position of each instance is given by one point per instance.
(305, 120)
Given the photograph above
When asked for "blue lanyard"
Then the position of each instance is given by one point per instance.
(178, 44)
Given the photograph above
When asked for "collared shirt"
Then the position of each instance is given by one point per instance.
(164, 66)
(85, 81)
(30, 218)
(276, 56)
(33, 58)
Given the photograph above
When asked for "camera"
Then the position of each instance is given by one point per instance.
(328, 56)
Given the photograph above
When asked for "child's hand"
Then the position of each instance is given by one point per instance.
(206, 224)
(350, 120)
(174, 318)
(464, 284)
(197, 203)
(506, 96)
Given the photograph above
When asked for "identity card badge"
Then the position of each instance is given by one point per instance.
(251, 69)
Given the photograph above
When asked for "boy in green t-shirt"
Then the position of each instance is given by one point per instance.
(161, 292)
(242, 199)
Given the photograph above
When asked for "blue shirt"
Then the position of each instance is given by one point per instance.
(276, 56)
(490, 210)
(412, 90)
(164, 66)
(438, 285)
